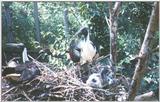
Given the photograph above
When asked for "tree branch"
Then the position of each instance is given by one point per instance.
(113, 14)
(116, 8)
(143, 54)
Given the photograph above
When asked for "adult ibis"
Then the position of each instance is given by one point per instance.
(82, 50)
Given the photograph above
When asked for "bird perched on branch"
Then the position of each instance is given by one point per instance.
(82, 50)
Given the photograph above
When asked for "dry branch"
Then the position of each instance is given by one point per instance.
(8, 90)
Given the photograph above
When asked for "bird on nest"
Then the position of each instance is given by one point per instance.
(16, 72)
(82, 50)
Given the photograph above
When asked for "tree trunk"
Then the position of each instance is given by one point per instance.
(37, 28)
(143, 54)
(113, 12)
(66, 22)
(10, 37)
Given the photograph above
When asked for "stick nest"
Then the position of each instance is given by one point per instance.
(59, 85)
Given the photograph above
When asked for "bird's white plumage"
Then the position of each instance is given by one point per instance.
(12, 64)
(24, 55)
(88, 51)
(95, 80)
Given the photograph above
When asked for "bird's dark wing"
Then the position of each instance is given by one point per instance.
(75, 55)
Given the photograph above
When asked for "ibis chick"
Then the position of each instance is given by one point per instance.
(101, 79)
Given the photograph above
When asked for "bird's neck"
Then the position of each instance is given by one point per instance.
(88, 37)
(71, 55)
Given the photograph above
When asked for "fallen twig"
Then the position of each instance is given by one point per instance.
(26, 96)
(9, 90)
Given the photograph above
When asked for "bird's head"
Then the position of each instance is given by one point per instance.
(95, 80)
(82, 32)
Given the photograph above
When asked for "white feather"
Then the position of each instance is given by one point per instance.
(12, 64)
(88, 51)
(24, 55)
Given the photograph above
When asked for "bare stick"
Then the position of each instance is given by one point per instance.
(8, 90)
(26, 96)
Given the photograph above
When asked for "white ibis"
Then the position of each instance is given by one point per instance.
(82, 50)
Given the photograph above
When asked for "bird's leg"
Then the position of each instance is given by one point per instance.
(79, 70)
(95, 58)
(88, 68)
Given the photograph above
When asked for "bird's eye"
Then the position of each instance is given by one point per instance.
(93, 80)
